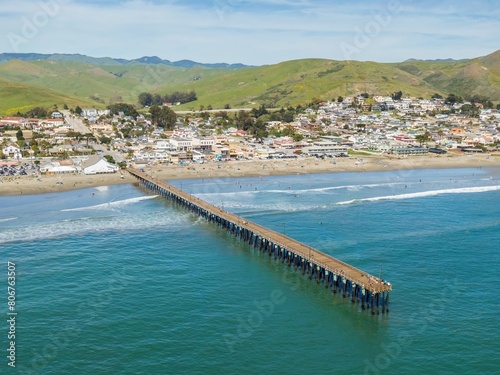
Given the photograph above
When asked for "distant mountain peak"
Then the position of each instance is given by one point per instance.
(76, 57)
(152, 60)
(436, 60)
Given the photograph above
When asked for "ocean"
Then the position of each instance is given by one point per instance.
(117, 280)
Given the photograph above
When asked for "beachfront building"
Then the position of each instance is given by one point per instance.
(58, 167)
(96, 165)
(198, 156)
(325, 147)
(410, 151)
(181, 144)
(203, 145)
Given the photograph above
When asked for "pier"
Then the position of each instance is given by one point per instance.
(370, 292)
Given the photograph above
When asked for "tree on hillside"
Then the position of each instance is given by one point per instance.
(340, 99)
(260, 111)
(470, 110)
(452, 99)
(127, 109)
(244, 120)
(485, 101)
(397, 95)
(78, 110)
(288, 116)
(314, 104)
(163, 117)
(423, 138)
(258, 129)
(148, 99)
(145, 99)
(20, 135)
(157, 99)
(37, 112)
(436, 96)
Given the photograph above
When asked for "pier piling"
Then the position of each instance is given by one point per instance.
(371, 291)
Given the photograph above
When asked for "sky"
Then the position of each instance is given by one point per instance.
(253, 32)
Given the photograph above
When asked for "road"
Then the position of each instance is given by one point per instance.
(75, 122)
(77, 125)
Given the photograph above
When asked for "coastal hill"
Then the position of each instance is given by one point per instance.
(28, 80)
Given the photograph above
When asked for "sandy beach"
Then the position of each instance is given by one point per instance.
(26, 185)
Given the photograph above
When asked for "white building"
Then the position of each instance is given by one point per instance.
(96, 165)
(181, 144)
(203, 144)
(325, 148)
(12, 151)
(57, 168)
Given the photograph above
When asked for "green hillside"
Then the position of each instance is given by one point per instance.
(17, 97)
(299, 81)
(480, 76)
(286, 83)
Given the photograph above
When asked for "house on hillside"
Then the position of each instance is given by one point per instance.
(96, 165)
(14, 121)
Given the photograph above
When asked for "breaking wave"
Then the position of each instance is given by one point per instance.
(112, 204)
(477, 189)
(8, 219)
(81, 226)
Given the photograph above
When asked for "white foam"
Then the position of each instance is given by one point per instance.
(81, 226)
(477, 189)
(294, 192)
(8, 219)
(330, 188)
(112, 204)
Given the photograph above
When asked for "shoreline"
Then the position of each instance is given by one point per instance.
(31, 185)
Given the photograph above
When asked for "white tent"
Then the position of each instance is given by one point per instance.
(95, 165)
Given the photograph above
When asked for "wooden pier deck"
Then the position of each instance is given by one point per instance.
(331, 271)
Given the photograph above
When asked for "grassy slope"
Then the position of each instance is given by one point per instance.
(477, 76)
(16, 97)
(290, 82)
(299, 81)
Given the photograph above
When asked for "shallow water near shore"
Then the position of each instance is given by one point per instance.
(118, 280)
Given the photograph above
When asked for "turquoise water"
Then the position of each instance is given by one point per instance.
(116, 280)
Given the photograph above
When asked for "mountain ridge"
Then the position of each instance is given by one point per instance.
(76, 57)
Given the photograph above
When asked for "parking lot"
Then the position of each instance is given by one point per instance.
(23, 169)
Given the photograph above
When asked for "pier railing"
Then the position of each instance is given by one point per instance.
(325, 268)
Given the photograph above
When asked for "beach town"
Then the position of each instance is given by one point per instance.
(89, 147)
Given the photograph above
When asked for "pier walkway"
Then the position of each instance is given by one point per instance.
(343, 278)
